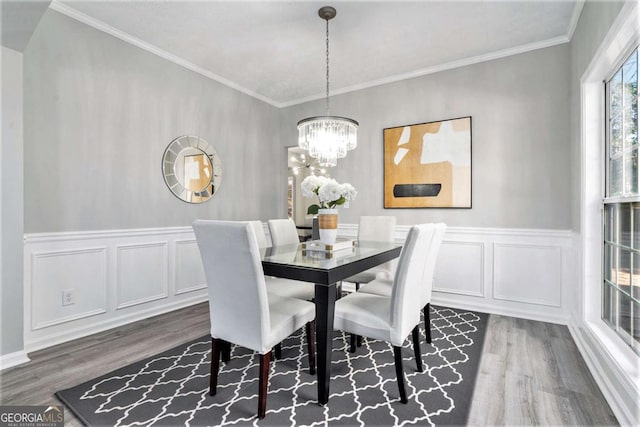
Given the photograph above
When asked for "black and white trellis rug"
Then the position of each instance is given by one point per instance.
(171, 389)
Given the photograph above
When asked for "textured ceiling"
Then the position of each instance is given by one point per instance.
(275, 50)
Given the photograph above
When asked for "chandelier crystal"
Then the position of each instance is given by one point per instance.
(327, 138)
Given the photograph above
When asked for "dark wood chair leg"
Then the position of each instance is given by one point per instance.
(215, 365)
(263, 384)
(357, 286)
(427, 322)
(278, 351)
(415, 334)
(397, 355)
(311, 346)
(225, 350)
(359, 341)
(352, 343)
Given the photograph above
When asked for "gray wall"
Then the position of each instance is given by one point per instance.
(11, 207)
(520, 139)
(595, 21)
(98, 116)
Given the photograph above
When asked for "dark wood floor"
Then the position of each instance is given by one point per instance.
(531, 373)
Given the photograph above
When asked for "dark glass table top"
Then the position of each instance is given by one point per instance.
(293, 262)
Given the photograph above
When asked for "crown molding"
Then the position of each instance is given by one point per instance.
(437, 68)
(128, 38)
(575, 17)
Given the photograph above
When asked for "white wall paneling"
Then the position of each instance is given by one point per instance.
(136, 282)
(116, 277)
(450, 278)
(528, 273)
(122, 276)
(515, 272)
(82, 272)
(189, 274)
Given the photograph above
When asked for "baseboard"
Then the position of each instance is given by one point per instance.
(616, 386)
(13, 359)
(487, 307)
(80, 332)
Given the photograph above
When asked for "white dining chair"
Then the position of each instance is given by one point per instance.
(283, 232)
(391, 318)
(258, 229)
(284, 287)
(384, 286)
(238, 290)
(376, 229)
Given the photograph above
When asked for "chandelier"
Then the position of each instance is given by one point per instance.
(327, 138)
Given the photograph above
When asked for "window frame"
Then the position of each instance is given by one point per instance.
(615, 204)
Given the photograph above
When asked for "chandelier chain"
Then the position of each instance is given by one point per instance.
(327, 59)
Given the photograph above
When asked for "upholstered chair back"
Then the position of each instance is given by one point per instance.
(408, 283)
(430, 265)
(238, 304)
(283, 232)
(259, 232)
(379, 229)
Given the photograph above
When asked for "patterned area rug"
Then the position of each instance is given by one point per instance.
(172, 388)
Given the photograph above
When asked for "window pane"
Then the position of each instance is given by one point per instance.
(609, 222)
(630, 100)
(636, 321)
(608, 304)
(615, 113)
(635, 278)
(635, 240)
(624, 218)
(624, 312)
(624, 270)
(609, 263)
(615, 177)
(631, 173)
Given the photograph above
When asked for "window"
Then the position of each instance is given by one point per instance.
(621, 281)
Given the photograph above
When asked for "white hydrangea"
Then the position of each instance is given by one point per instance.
(348, 191)
(329, 192)
(311, 184)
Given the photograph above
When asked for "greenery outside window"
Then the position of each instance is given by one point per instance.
(621, 205)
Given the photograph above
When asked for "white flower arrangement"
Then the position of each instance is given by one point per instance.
(328, 191)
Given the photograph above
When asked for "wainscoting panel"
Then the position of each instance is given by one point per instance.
(121, 276)
(81, 273)
(460, 268)
(136, 283)
(530, 274)
(116, 277)
(514, 272)
(189, 271)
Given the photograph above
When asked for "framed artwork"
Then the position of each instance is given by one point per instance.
(428, 165)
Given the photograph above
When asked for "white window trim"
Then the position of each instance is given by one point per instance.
(614, 364)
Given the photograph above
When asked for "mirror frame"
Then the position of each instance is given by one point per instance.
(177, 188)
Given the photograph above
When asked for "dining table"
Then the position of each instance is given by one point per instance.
(325, 270)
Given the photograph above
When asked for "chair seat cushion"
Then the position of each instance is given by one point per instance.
(364, 314)
(382, 287)
(290, 288)
(369, 275)
(287, 316)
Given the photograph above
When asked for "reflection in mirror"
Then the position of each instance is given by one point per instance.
(192, 169)
(300, 165)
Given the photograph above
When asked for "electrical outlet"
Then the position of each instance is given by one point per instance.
(67, 297)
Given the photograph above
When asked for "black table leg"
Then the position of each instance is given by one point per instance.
(325, 306)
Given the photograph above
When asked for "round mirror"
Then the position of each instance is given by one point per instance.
(191, 169)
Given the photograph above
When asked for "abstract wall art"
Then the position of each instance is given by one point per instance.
(428, 165)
